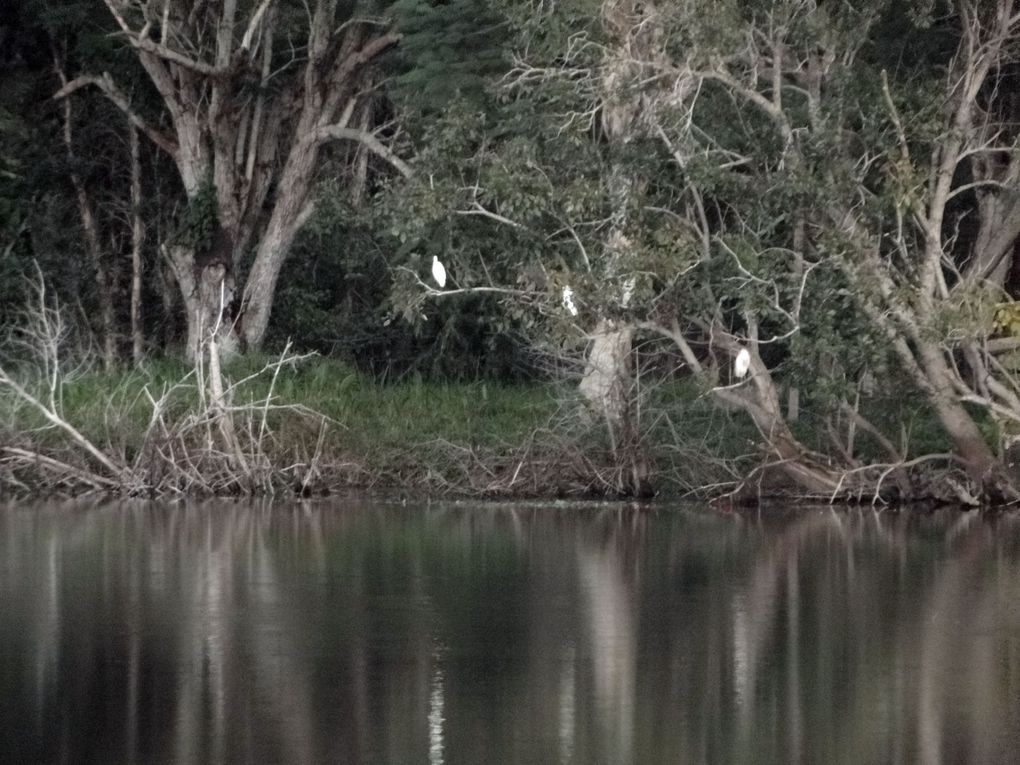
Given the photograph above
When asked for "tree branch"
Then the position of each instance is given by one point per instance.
(370, 50)
(777, 115)
(366, 139)
(141, 41)
(253, 24)
(113, 93)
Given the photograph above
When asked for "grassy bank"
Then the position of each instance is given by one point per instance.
(320, 426)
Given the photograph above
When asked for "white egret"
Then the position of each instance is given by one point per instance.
(438, 272)
(568, 301)
(742, 363)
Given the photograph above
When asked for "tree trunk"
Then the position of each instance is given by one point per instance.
(793, 459)
(359, 175)
(998, 213)
(606, 380)
(759, 398)
(764, 406)
(103, 286)
(137, 237)
(93, 247)
(291, 210)
(607, 387)
(207, 292)
(969, 445)
(256, 143)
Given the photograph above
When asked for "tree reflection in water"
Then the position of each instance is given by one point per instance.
(359, 632)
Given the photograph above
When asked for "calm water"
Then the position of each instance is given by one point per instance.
(376, 633)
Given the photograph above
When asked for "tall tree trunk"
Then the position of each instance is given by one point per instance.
(207, 292)
(108, 339)
(606, 380)
(607, 383)
(137, 238)
(93, 246)
(289, 213)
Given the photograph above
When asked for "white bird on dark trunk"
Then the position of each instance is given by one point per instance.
(438, 272)
(742, 363)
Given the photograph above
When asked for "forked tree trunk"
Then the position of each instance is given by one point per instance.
(249, 128)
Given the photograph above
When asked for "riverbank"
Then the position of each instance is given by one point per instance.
(313, 425)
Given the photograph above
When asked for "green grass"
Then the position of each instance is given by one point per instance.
(374, 416)
(432, 434)
(413, 432)
(378, 425)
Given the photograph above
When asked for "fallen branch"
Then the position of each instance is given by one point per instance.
(17, 455)
(54, 418)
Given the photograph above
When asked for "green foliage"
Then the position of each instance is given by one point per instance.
(341, 297)
(1007, 319)
(450, 50)
(708, 212)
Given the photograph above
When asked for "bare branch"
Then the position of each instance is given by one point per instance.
(54, 418)
(477, 209)
(143, 42)
(114, 94)
(367, 139)
(253, 24)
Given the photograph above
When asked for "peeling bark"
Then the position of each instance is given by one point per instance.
(606, 380)
(607, 386)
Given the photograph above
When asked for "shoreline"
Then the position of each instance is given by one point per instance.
(299, 427)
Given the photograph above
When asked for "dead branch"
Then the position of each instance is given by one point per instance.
(365, 138)
(116, 96)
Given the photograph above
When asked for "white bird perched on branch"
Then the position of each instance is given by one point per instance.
(742, 363)
(438, 272)
(568, 301)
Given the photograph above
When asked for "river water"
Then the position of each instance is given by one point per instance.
(374, 632)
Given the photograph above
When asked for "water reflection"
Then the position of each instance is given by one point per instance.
(383, 634)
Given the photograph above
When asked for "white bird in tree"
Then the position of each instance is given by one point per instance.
(742, 363)
(568, 301)
(438, 272)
